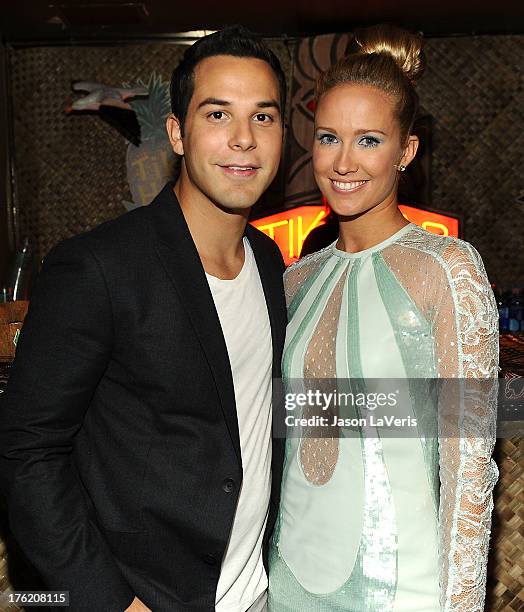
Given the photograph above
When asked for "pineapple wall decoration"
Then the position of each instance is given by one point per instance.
(138, 112)
(151, 164)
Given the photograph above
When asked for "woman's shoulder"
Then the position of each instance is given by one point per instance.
(298, 272)
(448, 251)
(308, 261)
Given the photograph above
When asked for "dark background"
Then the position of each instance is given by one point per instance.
(41, 20)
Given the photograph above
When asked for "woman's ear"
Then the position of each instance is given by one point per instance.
(174, 133)
(410, 150)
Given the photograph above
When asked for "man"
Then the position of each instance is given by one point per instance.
(135, 432)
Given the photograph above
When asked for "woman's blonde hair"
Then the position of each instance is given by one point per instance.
(385, 57)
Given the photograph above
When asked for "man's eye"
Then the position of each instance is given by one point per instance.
(263, 118)
(327, 139)
(216, 115)
(369, 141)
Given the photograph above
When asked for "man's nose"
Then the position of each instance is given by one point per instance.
(242, 136)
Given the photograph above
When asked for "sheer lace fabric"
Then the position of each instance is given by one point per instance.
(319, 455)
(448, 283)
(448, 301)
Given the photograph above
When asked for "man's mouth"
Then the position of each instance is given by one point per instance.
(347, 186)
(236, 170)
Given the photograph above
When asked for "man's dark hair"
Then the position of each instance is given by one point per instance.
(233, 40)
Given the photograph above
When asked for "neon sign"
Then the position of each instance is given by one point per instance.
(291, 227)
(435, 223)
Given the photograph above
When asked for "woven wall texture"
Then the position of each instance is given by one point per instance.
(473, 88)
(71, 169)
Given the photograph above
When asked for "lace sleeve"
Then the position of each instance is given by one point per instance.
(466, 340)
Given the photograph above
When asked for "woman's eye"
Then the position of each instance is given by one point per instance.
(327, 139)
(263, 118)
(369, 141)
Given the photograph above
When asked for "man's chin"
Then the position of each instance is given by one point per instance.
(238, 203)
(236, 208)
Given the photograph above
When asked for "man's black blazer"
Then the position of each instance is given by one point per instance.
(119, 444)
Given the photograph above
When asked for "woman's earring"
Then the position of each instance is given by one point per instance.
(400, 167)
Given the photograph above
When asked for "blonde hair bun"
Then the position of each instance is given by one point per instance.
(404, 47)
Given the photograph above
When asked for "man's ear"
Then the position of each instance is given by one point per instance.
(410, 151)
(175, 135)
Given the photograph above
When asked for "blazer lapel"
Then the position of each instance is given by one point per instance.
(180, 258)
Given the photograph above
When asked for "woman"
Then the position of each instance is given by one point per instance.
(371, 522)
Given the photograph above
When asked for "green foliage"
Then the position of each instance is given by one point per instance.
(152, 112)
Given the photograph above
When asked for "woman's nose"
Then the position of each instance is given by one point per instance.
(345, 162)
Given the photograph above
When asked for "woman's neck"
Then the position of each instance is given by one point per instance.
(372, 227)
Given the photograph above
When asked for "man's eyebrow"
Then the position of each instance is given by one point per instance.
(214, 102)
(220, 102)
(269, 104)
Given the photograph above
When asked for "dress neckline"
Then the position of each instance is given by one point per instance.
(377, 247)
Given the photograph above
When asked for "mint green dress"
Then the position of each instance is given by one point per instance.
(377, 524)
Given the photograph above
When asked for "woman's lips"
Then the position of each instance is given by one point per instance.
(347, 186)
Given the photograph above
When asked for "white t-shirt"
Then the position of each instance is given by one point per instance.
(243, 315)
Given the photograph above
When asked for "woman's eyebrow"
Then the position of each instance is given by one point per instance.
(361, 131)
(370, 130)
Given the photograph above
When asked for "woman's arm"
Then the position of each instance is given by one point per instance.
(466, 340)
